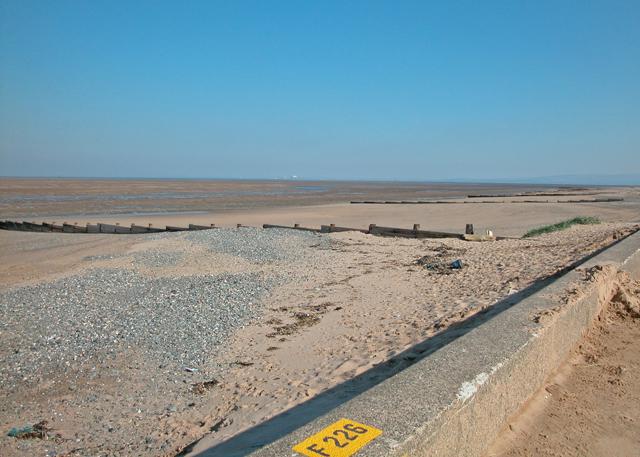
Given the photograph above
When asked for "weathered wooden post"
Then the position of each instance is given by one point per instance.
(296, 225)
(416, 227)
(469, 229)
(331, 227)
(371, 227)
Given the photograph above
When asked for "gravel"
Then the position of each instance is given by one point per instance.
(159, 259)
(77, 323)
(258, 245)
(81, 321)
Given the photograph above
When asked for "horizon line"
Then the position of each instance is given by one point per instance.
(572, 180)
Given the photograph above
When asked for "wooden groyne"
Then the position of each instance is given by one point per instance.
(117, 229)
(453, 202)
(69, 228)
(410, 233)
(595, 200)
(535, 194)
(374, 229)
(197, 227)
(295, 227)
(414, 232)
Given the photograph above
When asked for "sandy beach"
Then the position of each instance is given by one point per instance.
(156, 344)
(300, 314)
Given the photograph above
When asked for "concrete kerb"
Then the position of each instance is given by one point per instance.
(455, 401)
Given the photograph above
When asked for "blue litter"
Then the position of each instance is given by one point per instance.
(20, 432)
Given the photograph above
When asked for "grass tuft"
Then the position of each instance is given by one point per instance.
(580, 220)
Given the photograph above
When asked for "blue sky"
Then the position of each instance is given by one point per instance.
(347, 89)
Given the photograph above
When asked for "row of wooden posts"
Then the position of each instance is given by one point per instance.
(373, 229)
(97, 228)
(452, 202)
(415, 232)
(534, 194)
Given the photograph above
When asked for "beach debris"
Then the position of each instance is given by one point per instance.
(39, 430)
(190, 370)
(201, 388)
(242, 364)
(320, 308)
(486, 236)
(442, 261)
(438, 267)
(302, 319)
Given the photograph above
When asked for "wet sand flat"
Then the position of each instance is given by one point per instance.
(48, 197)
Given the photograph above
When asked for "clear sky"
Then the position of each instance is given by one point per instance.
(320, 89)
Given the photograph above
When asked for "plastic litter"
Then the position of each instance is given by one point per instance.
(39, 430)
(20, 432)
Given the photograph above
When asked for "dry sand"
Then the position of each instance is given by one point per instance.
(358, 301)
(591, 406)
(505, 220)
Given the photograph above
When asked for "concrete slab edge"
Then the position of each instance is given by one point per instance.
(455, 400)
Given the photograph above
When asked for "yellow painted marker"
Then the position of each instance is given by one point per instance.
(340, 439)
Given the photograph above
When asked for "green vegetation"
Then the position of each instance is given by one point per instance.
(580, 220)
